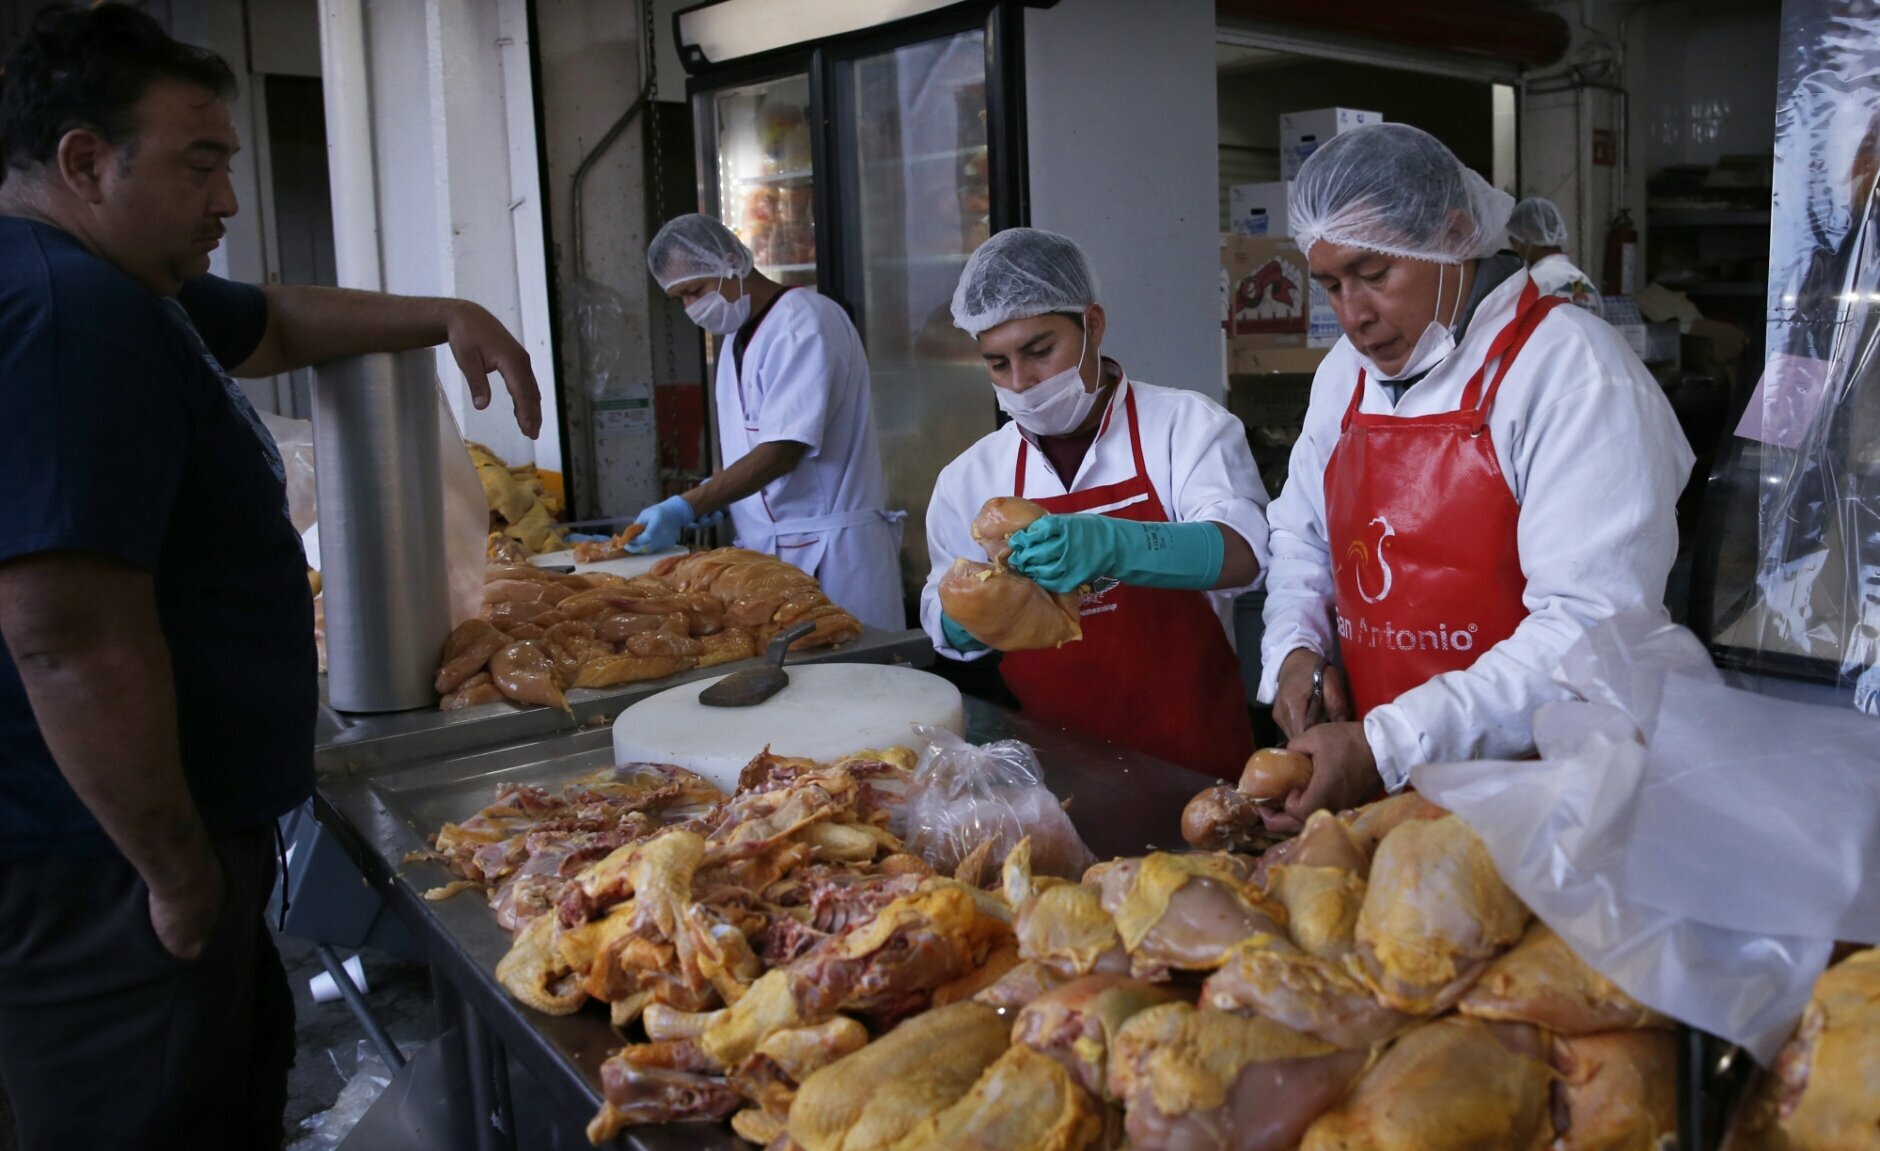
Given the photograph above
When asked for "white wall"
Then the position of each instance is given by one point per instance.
(1104, 73)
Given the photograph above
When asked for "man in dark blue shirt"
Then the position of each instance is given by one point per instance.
(157, 689)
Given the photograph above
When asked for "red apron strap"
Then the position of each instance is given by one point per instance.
(1135, 437)
(1530, 320)
(1351, 409)
(1018, 481)
(1472, 394)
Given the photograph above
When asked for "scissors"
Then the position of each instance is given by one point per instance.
(1315, 704)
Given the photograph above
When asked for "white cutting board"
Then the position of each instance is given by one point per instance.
(829, 710)
(626, 566)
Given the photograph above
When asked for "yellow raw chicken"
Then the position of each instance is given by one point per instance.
(884, 1092)
(1544, 983)
(1023, 1102)
(1457, 1084)
(1434, 917)
(1204, 1080)
(1823, 1094)
(1616, 1092)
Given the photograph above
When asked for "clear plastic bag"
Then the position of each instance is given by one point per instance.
(1702, 847)
(601, 327)
(366, 1077)
(294, 438)
(1815, 603)
(963, 796)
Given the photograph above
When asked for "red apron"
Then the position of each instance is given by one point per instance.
(1154, 671)
(1422, 529)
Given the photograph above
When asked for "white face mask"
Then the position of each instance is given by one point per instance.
(1052, 407)
(1433, 346)
(718, 315)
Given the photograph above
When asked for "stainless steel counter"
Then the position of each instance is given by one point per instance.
(1122, 802)
(376, 742)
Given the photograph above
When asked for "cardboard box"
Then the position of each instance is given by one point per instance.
(1265, 292)
(1301, 133)
(1713, 346)
(1322, 327)
(1249, 359)
(1258, 209)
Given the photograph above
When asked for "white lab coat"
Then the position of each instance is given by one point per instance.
(1194, 450)
(805, 379)
(1556, 275)
(1593, 454)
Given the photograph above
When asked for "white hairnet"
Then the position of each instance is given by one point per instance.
(1018, 273)
(1398, 190)
(1537, 222)
(696, 247)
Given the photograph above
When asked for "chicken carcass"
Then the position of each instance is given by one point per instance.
(1023, 1102)
(1182, 912)
(1544, 983)
(1007, 612)
(479, 689)
(1821, 1095)
(999, 519)
(884, 969)
(1077, 1023)
(1457, 1084)
(1314, 996)
(1202, 1080)
(1065, 928)
(1435, 915)
(1372, 822)
(1615, 1092)
(881, 1094)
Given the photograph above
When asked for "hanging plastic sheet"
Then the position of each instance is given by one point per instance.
(1701, 846)
(1814, 606)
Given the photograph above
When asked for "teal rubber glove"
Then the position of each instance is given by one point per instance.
(958, 638)
(1064, 553)
(664, 521)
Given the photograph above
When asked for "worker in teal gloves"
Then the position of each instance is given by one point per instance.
(1157, 516)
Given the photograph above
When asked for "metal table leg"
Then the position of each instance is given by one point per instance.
(488, 1067)
(368, 1022)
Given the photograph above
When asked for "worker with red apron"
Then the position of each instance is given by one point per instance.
(1156, 517)
(1482, 476)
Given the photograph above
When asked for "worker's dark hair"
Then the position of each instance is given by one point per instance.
(88, 68)
(1074, 317)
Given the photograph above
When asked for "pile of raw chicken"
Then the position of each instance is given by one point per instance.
(543, 632)
(523, 509)
(1370, 984)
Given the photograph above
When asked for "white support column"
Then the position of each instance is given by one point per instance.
(525, 219)
(345, 72)
(470, 174)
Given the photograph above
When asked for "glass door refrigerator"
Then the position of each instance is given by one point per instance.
(869, 163)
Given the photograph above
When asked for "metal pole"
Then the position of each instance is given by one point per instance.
(388, 1050)
(387, 588)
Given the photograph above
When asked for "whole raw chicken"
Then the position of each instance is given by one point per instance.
(1435, 915)
(1204, 1080)
(1457, 1084)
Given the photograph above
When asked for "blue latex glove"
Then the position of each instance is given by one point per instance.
(1064, 553)
(664, 521)
(958, 638)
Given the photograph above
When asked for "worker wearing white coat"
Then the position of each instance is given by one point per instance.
(1538, 234)
(1156, 511)
(1482, 476)
(802, 472)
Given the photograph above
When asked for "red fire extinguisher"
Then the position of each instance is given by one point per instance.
(1621, 271)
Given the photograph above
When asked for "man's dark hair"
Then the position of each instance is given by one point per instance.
(88, 68)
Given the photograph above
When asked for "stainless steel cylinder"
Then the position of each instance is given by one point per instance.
(382, 563)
